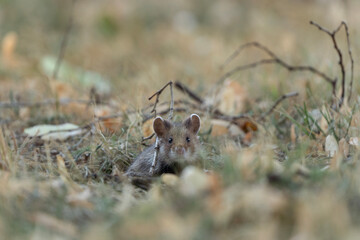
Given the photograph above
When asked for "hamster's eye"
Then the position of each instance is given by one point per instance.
(187, 139)
(170, 140)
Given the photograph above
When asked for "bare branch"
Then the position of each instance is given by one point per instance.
(171, 112)
(351, 59)
(274, 59)
(341, 62)
(156, 153)
(147, 138)
(236, 53)
(180, 86)
(157, 94)
(64, 41)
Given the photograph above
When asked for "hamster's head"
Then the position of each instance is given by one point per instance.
(178, 141)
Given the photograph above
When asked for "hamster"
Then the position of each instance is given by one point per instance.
(178, 146)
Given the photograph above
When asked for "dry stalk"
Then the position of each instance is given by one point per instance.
(64, 41)
(274, 59)
(171, 114)
(180, 86)
(5, 153)
(338, 51)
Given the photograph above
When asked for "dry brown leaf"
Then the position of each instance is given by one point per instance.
(8, 48)
(232, 98)
(246, 125)
(111, 124)
(62, 89)
(292, 134)
(248, 137)
(147, 128)
(219, 127)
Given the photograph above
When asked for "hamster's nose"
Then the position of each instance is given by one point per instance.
(180, 150)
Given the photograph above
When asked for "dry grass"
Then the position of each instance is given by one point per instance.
(278, 183)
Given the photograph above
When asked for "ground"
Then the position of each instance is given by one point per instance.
(288, 172)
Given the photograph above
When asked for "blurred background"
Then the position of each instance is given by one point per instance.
(147, 43)
(122, 51)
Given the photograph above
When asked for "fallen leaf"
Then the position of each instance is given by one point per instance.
(8, 47)
(232, 98)
(54, 132)
(219, 127)
(71, 74)
(292, 134)
(331, 146)
(110, 124)
(147, 128)
(246, 125)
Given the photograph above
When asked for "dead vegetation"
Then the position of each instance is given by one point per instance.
(279, 150)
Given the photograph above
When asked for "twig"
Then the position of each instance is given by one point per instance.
(274, 59)
(187, 91)
(351, 59)
(157, 94)
(341, 62)
(64, 41)
(235, 54)
(147, 117)
(171, 113)
(282, 98)
(156, 153)
(148, 137)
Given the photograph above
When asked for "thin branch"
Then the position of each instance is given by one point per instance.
(351, 59)
(178, 110)
(180, 86)
(282, 98)
(274, 59)
(147, 138)
(157, 94)
(64, 41)
(156, 153)
(341, 62)
(171, 112)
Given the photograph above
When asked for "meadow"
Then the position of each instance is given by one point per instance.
(280, 118)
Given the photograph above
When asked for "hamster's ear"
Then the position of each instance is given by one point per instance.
(193, 123)
(161, 126)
